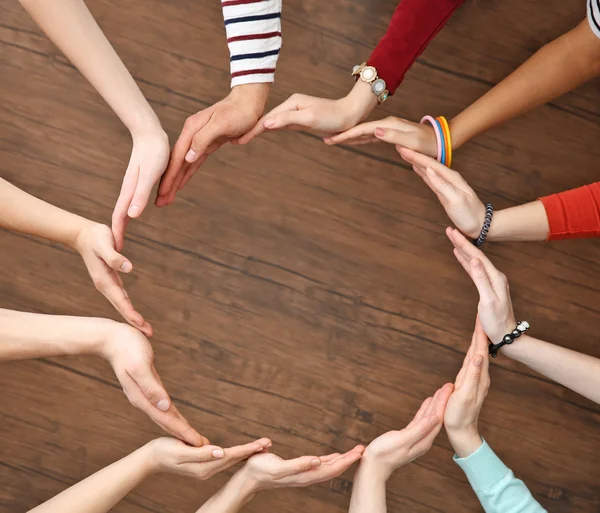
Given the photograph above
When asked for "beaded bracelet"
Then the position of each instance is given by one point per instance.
(487, 222)
(509, 338)
(438, 134)
(448, 138)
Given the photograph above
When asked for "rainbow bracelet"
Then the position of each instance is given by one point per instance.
(438, 134)
(442, 135)
(448, 139)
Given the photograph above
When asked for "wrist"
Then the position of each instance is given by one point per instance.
(459, 137)
(372, 469)
(359, 102)
(150, 463)
(464, 441)
(243, 485)
(254, 95)
(107, 330)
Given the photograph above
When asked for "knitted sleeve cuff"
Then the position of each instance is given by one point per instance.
(483, 468)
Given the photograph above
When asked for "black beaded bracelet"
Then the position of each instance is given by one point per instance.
(487, 222)
(509, 338)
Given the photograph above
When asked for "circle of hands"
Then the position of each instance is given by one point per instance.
(238, 119)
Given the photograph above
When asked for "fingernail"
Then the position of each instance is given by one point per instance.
(126, 266)
(478, 361)
(134, 210)
(269, 445)
(430, 171)
(315, 463)
(163, 405)
(141, 323)
(379, 132)
(434, 420)
(190, 156)
(269, 123)
(218, 453)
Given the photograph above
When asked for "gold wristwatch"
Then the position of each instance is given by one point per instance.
(368, 74)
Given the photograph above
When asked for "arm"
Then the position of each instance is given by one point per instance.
(414, 24)
(70, 25)
(394, 449)
(127, 350)
(566, 215)
(579, 372)
(495, 485)
(94, 242)
(101, 491)
(253, 29)
(557, 68)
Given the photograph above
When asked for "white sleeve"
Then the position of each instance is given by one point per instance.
(593, 12)
(254, 39)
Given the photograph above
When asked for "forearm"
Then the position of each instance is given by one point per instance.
(253, 30)
(238, 491)
(368, 491)
(498, 490)
(527, 222)
(414, 24)
(28, 335)
(557, 68)
(24, 213)
(577, 371)
(101, 491)
(71, 26)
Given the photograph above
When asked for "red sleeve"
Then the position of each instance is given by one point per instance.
(414, 24)
(574, 214)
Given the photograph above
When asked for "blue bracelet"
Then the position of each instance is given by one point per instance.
(443, 137)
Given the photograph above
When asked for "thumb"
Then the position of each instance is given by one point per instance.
(421, 429)
(203, 139)
(303, 118)
(473, 375)
(114, 259)
(151, 387)
(398, 137)
(299, 465)
(141, 196)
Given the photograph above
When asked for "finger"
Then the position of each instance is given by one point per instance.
(287, 119)
(108, 285)
(421, 412)
(202, 454)
(461, 243)
(480, 277)
(473, 375)
(191, 171)
(292, 103)
(114, 259)
(398, 137)
(150, 387)
(445, 191)
(203, 139)
(364, 129)
(170, 421)
(419, 430)
(416, 158)
(440, 402)
(329, 457)
(462, 260)
(324, 472)
(119, 216)
(141, 196)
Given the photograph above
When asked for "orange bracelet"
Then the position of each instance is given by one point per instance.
(448, 140)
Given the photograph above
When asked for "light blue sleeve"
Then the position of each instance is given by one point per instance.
(496, 487)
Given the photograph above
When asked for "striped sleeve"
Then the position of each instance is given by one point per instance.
(254, 38)
(593, 11)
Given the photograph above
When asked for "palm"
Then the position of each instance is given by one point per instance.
(266, 464)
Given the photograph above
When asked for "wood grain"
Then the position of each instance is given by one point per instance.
(299, 292)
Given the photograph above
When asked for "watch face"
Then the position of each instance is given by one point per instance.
(378, 86)
(368, 74)
(355, 68)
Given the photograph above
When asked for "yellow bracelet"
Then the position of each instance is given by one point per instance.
(448, 138)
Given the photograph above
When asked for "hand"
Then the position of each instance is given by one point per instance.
(402, 133)
(205, 132)
(394, 449)
(148, 162)
(174, 456)
(461, 203)
(267, 470)
(495, 305)
(470, 389)
(320, 115)
(95, 243)
(132, 359)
